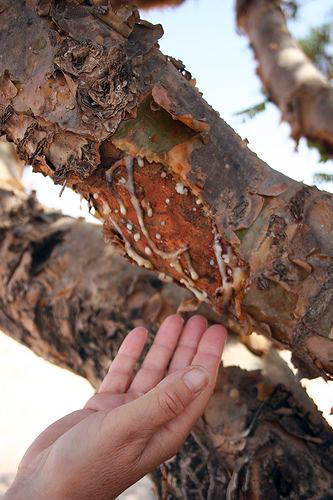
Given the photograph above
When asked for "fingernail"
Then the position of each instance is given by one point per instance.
(196, 379)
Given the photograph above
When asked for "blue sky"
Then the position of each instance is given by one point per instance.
(203, 35)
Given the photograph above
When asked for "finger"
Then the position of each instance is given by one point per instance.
(168, 440)
(171, 436)
(120, 373)
(155, 363)
(210, 348)
(109, 401)
(188, 343)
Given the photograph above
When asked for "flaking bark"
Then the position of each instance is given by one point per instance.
(290, 79)
(89, 100)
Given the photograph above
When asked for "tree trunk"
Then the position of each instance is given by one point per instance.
(88, 99)
(289, 78)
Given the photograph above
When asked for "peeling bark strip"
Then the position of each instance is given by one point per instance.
(88, 99)
(290, 79)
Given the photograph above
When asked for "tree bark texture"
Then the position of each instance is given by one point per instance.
(71, 300)
(289, 78)
(89, 100)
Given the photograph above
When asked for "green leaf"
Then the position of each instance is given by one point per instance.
(318, 47)
(322, 178)
(253, 111)
(323, 156)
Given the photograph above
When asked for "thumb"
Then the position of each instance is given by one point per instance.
(166, 401)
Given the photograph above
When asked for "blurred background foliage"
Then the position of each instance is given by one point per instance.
(318, 46)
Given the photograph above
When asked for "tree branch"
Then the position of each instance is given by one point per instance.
(68, 297)
(289, 78)
(49, 304)
(179, 192)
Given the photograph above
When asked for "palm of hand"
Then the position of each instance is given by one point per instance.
(98, 451)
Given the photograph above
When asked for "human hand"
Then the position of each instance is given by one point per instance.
(133, 423)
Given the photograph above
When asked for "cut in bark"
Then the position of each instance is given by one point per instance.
(73, 303)
(289, 78)
(89, 100)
